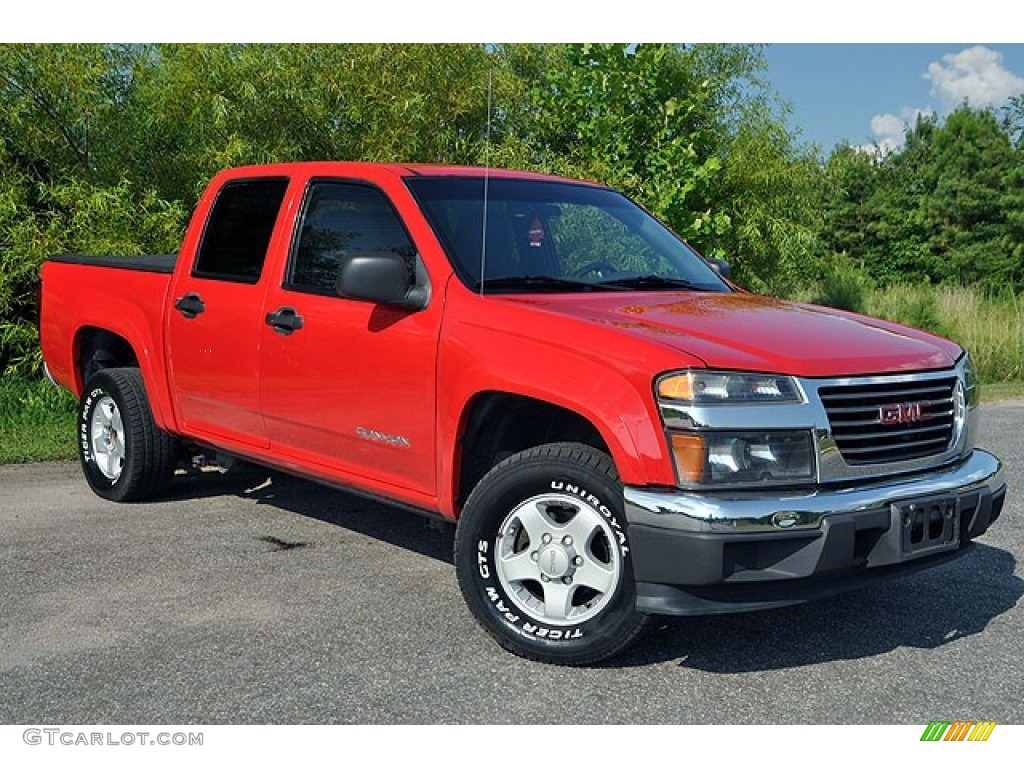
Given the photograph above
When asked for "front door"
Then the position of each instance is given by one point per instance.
(349, 385)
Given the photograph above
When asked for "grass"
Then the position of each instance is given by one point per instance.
(37, 422)
(1002, 390)
(991, 328)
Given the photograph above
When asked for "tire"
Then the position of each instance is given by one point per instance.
(542, 556)
(124, 455)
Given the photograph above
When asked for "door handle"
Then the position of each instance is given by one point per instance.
(190, 305)
(285, 321)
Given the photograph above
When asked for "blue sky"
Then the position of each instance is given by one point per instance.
(865, 94)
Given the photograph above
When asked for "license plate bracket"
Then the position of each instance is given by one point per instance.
(928, 525)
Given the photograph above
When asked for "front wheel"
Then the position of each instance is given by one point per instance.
(542, 556)
(124, 455)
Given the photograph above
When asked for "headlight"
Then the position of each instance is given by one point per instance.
(724, 458)
(725, 387)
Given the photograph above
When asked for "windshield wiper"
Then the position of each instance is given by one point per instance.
(653, 281)
(545, 283)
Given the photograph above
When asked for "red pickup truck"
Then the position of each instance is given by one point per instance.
(618, 430)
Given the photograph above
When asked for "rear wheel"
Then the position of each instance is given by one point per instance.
(124, 455)
(542, 556)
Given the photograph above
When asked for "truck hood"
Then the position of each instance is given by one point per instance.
(741, 331)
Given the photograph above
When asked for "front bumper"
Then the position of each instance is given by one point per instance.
(698, 553)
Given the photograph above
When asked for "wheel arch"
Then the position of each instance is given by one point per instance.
(96, 348)
(495, 424)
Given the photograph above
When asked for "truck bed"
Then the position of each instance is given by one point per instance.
(123, 296)
(160, 263)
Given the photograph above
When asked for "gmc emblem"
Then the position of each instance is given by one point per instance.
(904, 413)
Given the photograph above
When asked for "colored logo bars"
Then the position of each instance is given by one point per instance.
(960, 730)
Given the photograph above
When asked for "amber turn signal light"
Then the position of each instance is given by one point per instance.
(689, 455)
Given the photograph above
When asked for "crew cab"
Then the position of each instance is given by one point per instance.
(617, 429)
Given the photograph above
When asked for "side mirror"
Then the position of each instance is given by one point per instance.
(721, 266)
(383, 278)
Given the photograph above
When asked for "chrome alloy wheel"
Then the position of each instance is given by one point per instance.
(106, 438)
(557, 558)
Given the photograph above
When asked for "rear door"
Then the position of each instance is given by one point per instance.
(349, 385)
(214, 323)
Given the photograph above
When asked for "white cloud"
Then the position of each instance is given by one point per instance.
(890, 130)
(975, 75)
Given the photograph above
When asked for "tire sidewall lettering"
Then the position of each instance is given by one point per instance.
(525, 627)
(89, 402)
(83, 423)
(494, 596)
(482, 564)
(595, 503)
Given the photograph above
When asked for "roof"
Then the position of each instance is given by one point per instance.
(351, 168)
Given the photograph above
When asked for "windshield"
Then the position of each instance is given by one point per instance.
(555, 236)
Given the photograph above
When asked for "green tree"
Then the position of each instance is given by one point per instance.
(1013, 120)
(637, 118)
(769, 188)
(62, 108)
(688, 132)
(968, 199)
(943, 209)
(199, 108)
(59, 104)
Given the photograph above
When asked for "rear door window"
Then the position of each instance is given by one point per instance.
(237, 234)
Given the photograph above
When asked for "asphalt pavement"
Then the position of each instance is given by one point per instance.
(260, 598)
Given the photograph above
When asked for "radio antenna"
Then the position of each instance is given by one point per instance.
(487, 177)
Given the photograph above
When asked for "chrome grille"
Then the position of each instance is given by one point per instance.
(921, 413)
